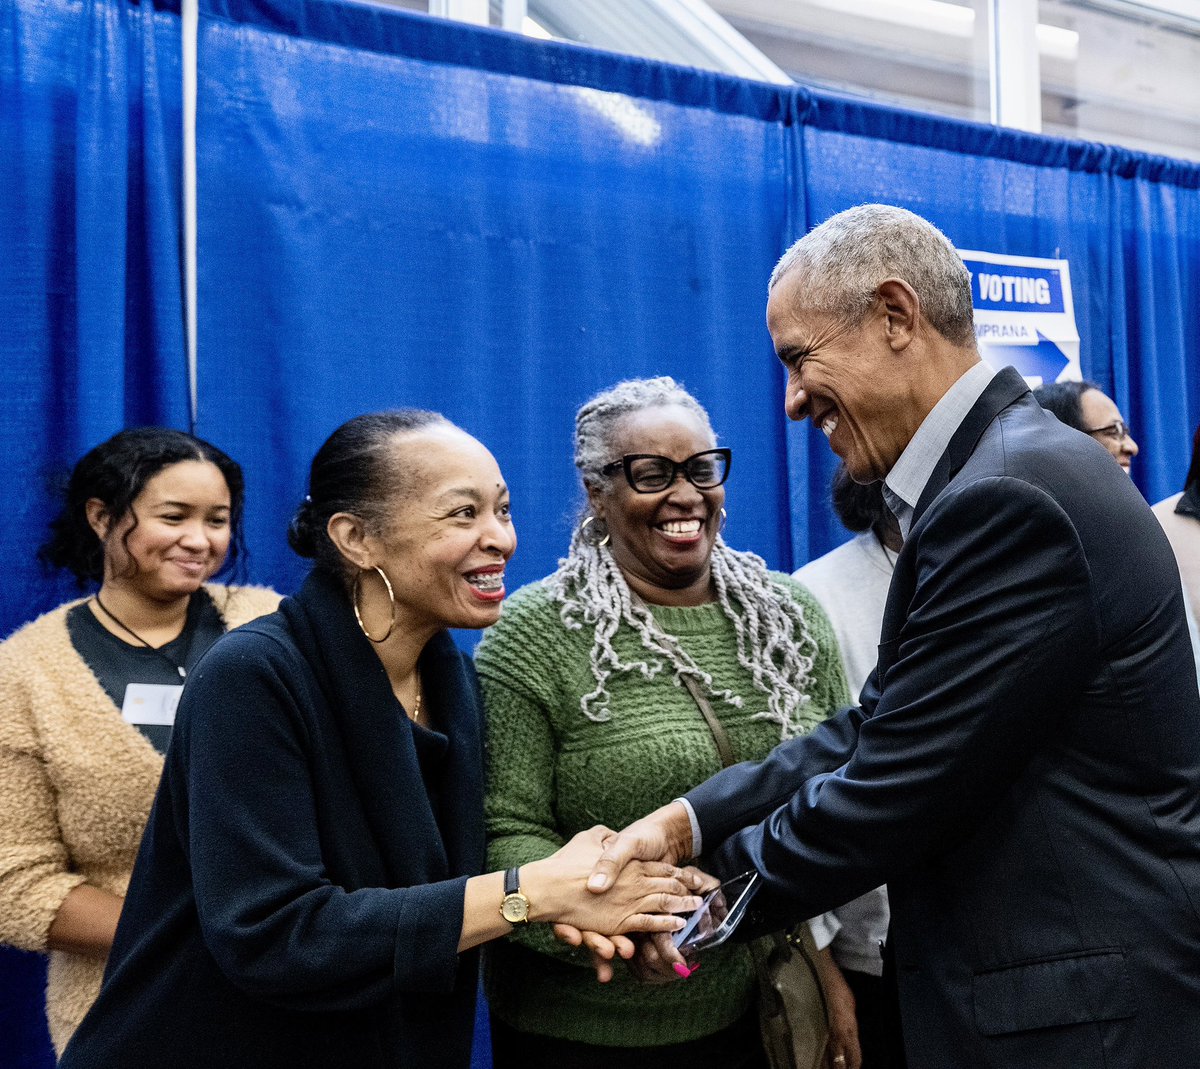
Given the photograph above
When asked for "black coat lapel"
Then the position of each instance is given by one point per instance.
(377, 735)
(1001, 392)
(459, 712)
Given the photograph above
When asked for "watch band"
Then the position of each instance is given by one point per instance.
(514, 907)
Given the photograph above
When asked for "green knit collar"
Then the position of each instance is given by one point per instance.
(690, 619)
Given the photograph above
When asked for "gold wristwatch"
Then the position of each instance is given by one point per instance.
(515, 906)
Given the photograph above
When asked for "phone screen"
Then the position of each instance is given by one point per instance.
(718, 915)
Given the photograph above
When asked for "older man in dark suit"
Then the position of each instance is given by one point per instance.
(1023, 770)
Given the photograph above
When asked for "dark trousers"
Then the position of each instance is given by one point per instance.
(871, 1010)
(890, 1031)
(736, 1047)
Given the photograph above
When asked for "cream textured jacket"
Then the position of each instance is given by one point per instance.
(76, 785)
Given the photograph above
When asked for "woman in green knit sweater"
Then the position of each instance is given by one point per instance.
(589, 722)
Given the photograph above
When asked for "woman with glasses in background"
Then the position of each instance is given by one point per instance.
(588, 682)
(1087, 408)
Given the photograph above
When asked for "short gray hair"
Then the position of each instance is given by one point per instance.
(597, 418)
(846, 258)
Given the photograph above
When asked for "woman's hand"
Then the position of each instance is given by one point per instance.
(842, 1051)
(604, 951)
(655, 960)
(652, 958)
(645, 897)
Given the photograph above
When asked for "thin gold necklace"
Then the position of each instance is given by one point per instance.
(154, 649)
(416, 713)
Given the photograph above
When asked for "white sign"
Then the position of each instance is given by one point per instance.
(1025, 314)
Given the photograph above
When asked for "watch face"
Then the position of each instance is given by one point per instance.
(514, 908)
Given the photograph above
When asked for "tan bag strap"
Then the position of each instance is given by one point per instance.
(710, 718)
(706, 710)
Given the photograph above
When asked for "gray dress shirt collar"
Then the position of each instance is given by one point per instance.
(904, 484)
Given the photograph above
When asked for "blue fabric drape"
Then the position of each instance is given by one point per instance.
(89, 231)
(90, 320)
(552, 219)
(377, 229)
(396, 210)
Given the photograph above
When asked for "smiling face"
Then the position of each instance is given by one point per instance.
(1100, 415)
(174, 537)
(847, 379)
(663, 541)
(449, 535)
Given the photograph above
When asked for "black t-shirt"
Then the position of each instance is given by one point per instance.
(117, 663)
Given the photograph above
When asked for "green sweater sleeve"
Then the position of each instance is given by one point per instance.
(520, 755)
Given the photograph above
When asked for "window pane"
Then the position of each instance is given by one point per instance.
(1133, 81)
(925, 54)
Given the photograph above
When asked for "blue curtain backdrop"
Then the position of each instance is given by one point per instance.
(91, 335)
(398, 210)
(379, 227)
(90, 313)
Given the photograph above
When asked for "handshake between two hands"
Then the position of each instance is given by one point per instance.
(621, 894)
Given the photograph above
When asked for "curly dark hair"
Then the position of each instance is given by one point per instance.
(116, 472)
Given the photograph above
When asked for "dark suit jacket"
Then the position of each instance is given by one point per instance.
(298, 897)
(1023, 772)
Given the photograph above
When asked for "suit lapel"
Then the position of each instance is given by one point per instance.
(1001, 392)
(1005, 388)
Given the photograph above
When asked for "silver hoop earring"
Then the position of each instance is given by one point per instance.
(391, 601)
(724, 517)
(590, 536)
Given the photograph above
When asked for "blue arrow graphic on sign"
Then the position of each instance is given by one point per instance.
(1045, 360)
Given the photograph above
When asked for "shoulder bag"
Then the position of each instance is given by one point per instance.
(792, 1013)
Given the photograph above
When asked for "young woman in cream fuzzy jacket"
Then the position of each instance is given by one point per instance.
(151, 514)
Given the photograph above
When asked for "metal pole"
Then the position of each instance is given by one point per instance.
(1014, 66)
(190, 17)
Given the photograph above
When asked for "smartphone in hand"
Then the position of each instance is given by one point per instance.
(718, 915)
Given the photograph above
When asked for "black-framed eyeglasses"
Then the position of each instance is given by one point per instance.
(648, 473)
(1118, 430)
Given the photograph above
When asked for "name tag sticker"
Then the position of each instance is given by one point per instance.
(151, 703)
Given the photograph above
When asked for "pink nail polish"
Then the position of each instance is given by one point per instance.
(683, 971)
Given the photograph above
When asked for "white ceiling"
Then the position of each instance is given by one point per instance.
(1131, 76)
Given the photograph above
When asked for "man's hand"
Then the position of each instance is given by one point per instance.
(665, 835)
(843, 1050)
(644, 896)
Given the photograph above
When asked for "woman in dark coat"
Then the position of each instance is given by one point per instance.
(307, 891)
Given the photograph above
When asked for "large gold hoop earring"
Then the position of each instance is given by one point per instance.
(391, 600)
(590, 536)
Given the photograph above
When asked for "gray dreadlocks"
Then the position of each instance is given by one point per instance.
(773, 641)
